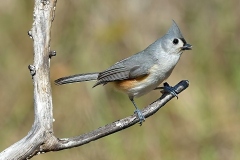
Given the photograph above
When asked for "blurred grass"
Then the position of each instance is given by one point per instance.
(92, 35)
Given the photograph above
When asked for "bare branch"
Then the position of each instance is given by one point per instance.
(66, 143)
(42, 127)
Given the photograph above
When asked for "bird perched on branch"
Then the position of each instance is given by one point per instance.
(143, 71)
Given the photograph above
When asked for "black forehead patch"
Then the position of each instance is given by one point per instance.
(184, 41)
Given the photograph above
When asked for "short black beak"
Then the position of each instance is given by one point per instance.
(187, 47)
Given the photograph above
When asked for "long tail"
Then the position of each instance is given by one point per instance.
(77, 78)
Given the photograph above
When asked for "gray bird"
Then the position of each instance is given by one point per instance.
(143, 71)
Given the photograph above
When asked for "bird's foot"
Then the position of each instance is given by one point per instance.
(169, 89)
(140, 116)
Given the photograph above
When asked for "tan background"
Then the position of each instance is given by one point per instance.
(90, 35)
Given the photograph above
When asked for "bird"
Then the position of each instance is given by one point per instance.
(142, 72)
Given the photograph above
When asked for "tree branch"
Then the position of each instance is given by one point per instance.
(43, 123)
(66, 143)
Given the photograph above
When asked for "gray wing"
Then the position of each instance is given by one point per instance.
(129, 68)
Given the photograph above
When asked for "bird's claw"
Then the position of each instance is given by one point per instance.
(140, 116)
(169, 89)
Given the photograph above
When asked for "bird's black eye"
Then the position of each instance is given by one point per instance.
(175, 41)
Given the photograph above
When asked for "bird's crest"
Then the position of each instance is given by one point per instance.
(174, 31)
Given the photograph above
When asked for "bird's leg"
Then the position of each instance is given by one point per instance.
(138, 112)
(167, 88)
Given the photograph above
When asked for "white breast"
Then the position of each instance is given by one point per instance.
(158, 73)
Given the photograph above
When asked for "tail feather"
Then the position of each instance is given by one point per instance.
(77, 78)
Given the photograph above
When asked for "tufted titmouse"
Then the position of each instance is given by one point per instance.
(143, 71)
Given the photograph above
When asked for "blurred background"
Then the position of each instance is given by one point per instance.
(91, 35)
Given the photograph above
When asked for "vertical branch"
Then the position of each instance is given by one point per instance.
(42, 128)
(41, 79)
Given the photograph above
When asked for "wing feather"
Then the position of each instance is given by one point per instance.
(129, 68)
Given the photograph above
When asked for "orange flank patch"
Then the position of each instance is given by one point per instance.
(125, 85)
